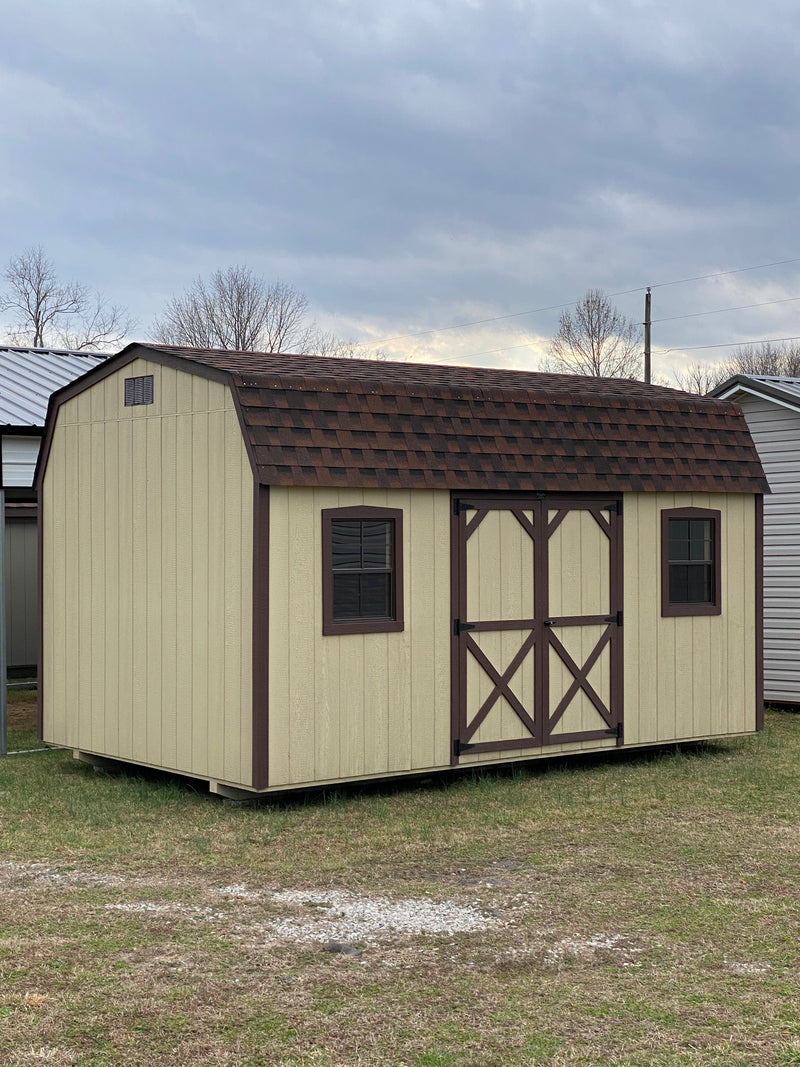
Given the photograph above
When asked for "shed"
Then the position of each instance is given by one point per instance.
(771, 407)
(271, 572)
(28, 376)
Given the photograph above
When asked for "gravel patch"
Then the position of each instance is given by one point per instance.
(339, 916)
(20, 875)
(597, 947)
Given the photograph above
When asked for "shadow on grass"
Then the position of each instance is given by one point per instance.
(408, 784)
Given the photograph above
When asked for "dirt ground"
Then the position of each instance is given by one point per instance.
(22, 714)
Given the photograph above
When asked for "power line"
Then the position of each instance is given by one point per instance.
(570, 303)
(731, 344)
(720, 311)
(722, 273)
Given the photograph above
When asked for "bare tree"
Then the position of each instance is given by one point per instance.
(774, 360)
(698, 378)
(325, 343)
(595, 339)
(49, 312)
(237, 310)
(766, 358)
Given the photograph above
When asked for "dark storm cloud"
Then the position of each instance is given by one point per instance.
(405, 166)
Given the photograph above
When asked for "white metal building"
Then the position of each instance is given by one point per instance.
(28, 376)
(771, 407)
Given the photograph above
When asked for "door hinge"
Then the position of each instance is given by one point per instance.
(617, 618)
(461, 746)
(459, 627)
(615, 507)
(462, 505)
(616, 731)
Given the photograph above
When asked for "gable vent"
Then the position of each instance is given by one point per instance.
(139, 390)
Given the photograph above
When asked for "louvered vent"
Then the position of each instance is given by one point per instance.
(139, 390)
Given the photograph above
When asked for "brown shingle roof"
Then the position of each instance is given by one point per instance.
(339, 422)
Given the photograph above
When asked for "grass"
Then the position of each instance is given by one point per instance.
(644, 910)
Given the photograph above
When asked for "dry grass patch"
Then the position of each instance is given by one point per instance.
(628, 911)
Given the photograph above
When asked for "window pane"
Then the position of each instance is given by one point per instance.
(346, 598)
(699, 584)
(678, 583)
(678, 539)
(700, 540)
(691, 583)
(362, 553)
(345, 543)
(376, 544)
(376, 596)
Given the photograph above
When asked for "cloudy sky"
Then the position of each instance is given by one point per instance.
(418, 164)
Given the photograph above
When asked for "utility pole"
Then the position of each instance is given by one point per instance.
(647, 336)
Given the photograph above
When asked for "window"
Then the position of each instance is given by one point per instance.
(139, 390)
(362, 577)
(690, 562)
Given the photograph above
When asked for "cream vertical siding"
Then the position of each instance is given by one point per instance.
(352, 705)
(147, 516)
(578, 565)
(692, 676)
(500, 585)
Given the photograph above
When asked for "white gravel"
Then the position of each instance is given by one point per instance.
(336, 915)
(588, 948)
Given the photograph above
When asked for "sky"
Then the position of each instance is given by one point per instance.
(417, 165)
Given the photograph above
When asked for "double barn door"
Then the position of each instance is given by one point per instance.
(537, 617)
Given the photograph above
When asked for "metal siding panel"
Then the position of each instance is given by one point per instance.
(22, 616)
(776, 432)
(19, 460)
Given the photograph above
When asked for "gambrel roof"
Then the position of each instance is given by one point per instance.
(311, 420)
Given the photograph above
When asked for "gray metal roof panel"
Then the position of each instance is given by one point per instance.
(29, 375)
(768, 385)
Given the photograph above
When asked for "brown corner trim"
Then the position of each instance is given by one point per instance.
(40, 606)
(457, 598)
(260, 652)
(759, 539)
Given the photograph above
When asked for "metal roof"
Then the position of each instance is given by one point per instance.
(29, 375)
(785, 391)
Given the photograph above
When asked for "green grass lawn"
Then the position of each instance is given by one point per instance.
(639, 910)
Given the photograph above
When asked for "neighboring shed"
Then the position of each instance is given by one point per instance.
(272, 572)
(28, 377)
(771, 408)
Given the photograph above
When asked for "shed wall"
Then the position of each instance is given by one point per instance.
(695, 676)
(344, 706)
(684, 678)
(360, 705)
(147, 516)
(776, 432)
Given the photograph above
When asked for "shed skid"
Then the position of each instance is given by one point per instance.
(274, 573)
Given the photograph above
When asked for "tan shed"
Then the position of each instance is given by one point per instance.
(272, 572)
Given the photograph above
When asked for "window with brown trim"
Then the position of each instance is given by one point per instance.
(362, 570)
(691, 569)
